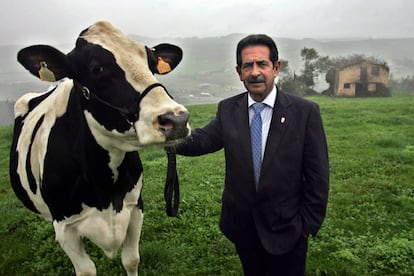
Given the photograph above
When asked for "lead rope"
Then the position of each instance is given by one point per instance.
(172, 186)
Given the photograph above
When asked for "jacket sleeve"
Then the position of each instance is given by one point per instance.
(316, 173)
(203, 140)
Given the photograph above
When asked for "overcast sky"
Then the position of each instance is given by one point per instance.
(60, 21)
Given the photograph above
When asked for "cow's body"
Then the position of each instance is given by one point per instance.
(74, 157)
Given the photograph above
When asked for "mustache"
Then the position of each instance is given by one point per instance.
(256, 79)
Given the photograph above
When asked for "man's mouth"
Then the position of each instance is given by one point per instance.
(256, 83)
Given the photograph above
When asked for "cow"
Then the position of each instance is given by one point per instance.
(74, 156)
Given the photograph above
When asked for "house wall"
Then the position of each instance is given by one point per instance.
(350, 76)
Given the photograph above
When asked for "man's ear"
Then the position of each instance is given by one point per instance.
(276, 68)
(238, 69)
(45, 62)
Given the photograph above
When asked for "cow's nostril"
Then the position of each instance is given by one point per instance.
(173, 126)
(175, 120)
(165, 118)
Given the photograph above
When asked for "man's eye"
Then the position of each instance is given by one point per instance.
(262, 63)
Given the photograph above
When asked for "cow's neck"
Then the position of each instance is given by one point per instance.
(104, 138)
(90, 145)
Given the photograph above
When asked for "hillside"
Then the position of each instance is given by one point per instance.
(207, 72)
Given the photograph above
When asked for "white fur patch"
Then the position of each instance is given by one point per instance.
(106, 228)
(51, 108)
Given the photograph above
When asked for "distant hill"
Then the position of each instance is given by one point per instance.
(207, 72)
(210, 54)
(208, 65)
(6, 112)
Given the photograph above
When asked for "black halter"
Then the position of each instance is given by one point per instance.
(130, 117)
(172, 186)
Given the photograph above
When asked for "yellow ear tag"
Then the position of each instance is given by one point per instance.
(162, 66)
(45, 74)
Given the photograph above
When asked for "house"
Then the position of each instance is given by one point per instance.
(360, 79)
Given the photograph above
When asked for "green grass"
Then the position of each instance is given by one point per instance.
(369, 228)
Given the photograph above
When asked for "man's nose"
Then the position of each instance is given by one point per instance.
(255, 70)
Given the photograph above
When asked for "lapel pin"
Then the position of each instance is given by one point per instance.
(282, 120)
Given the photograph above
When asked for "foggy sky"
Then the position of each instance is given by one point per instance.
(60, 21)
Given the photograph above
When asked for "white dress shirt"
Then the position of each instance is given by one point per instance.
(266, 114)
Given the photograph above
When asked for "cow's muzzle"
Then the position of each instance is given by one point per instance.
(174, 126)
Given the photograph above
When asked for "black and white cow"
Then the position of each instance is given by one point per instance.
(74, 157)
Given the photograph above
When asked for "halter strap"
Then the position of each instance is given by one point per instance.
(130, 117)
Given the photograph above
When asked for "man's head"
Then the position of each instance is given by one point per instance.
(257, 64)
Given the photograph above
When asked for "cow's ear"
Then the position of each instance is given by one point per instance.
(167, 57)
(45, 62)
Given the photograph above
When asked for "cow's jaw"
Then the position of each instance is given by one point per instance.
(112, 139)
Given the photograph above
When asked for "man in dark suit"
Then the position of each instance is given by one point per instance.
(269, 216)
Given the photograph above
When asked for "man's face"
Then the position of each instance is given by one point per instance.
(257, 72)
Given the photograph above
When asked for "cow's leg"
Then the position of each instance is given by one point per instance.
(130, 249)
(71, 242)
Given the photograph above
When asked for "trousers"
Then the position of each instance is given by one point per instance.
(257, 261)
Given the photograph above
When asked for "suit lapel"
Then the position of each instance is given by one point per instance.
(241, 117)
(282, 118)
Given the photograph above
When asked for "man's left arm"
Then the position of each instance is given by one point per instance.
(316, 173)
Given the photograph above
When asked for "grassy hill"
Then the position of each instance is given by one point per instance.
(206, 73)
(369, 229)
(211, 60)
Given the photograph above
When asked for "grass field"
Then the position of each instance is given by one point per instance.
(369, 228)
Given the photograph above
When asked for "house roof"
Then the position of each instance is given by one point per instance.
(384, 65)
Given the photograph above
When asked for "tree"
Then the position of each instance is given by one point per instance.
(309, 55)
(284, 67)
(300, 84)
(405, 84)
(323, 64)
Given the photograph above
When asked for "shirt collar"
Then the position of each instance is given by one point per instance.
(269, 100)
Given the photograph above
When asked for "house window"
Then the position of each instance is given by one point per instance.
(372, 87)
(347, 85)
(375, 70)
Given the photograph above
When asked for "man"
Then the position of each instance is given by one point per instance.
(267, 216)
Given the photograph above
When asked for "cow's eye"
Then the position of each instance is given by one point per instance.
(97, 70)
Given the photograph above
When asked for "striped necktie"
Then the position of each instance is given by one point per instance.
(256, 140)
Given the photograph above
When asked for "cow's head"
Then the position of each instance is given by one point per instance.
(114, 75)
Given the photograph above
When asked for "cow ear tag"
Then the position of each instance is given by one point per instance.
(162, 66)
(45, 74)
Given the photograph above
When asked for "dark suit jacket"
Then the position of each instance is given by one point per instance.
(294, 182)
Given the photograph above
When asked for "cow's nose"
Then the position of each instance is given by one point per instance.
(174, 126)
